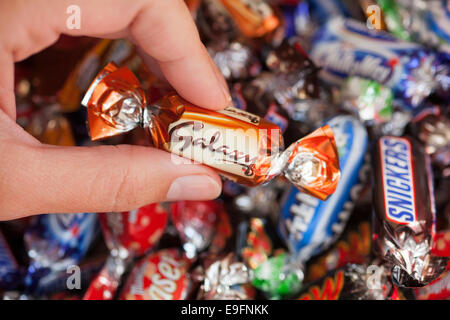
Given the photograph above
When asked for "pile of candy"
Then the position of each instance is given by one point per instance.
(355, 207)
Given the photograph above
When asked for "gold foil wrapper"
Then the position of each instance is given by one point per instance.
(241, 146)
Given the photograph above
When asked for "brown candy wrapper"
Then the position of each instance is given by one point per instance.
(404, 212)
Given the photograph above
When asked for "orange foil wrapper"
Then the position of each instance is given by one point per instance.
(241, 146)
(254, 18)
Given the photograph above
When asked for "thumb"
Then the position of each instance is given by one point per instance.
(98, 179)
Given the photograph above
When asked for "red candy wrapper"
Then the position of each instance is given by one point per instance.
(128, 235)
(197, 223)
(134, 231)
(160, 276)
(437, 290)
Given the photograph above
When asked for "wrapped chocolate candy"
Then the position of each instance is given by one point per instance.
(54, 243)
(280, 276)
(239, 145)
(352, 282)
(347, 47)
(290, 57)
(296, 74)
(404, 212)
(224, 278)
(434, 132)
(228, 19)
(195, 222)
(256, 245)
(374, 105)
(215, 23)
(418, 20)
(299, 22)
(128, 235)
(310, 226)
(254, 18)
(235, 59)
(63, 282)
(368, 99)
(162, 275)
(261, 200)
(257, 97)
(289, 95)
(432, 128)
(273, 271)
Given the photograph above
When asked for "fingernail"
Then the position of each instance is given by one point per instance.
(199, 187)
(226, 92)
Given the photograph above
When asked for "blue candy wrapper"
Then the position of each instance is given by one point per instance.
(10, 271)
(55, 242)
(299, 23)
(323, 10)
(345, 47)
(309, 226)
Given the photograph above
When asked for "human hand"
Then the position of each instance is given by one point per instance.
(37, 178)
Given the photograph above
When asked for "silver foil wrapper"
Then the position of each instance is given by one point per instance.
(235, 60)
(223, 278)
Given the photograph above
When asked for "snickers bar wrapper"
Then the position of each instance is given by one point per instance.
(404, 212)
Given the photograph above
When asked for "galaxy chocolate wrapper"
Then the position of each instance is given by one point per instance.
(239, 145)
(404, 212)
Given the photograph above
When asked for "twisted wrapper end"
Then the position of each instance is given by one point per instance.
(222, 279)
(115, 102)
(312, 163)
(254, 21)
(410, 258)
(429, 271)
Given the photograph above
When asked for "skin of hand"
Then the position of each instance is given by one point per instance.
(37, 178)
